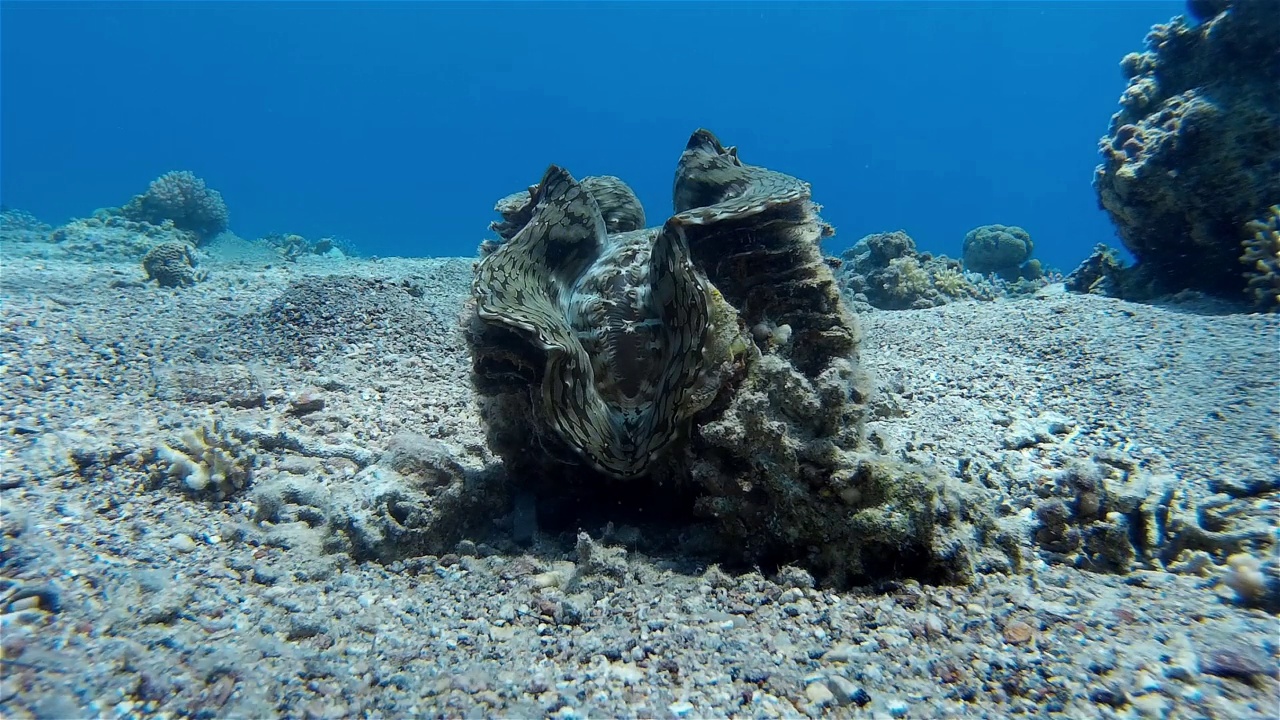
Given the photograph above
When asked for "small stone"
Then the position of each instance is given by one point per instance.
(1107, 696)
(840, 653)
(182, 542)
(307, 401)
(27, 603)
(1152, 705)
(1145, 682)
(793, 577)
(845, 691)
(933, 626)
(897, 708)
(1017, 632)
(681, 708)
(818, 694)
(1232, 662)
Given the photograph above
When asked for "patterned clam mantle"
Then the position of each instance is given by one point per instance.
(619, 336)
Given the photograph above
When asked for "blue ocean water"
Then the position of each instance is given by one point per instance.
(398, 124)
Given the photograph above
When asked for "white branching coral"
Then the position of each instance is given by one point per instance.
(209, 459)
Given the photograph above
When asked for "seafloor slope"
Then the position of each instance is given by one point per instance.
(127, 594)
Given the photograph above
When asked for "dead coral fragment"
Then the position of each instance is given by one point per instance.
(209, 460)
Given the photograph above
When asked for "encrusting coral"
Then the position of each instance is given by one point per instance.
(709, 363)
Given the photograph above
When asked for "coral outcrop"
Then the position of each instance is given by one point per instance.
(1192, 155)
(292, 247)
(183, 199)
(106, 237)
(1101, 273)
(708, 365)
(21, 227)
(1001, 249)
(886, 272)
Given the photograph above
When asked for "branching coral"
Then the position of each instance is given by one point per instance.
(1262, 260)
(208, 460)
(951, 282)
(906, 280)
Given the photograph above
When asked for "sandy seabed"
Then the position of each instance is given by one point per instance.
(125, 596)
